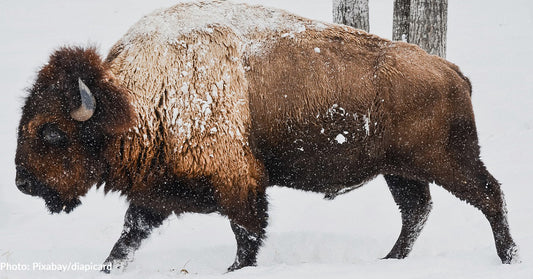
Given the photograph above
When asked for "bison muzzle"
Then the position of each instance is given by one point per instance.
(200, 107)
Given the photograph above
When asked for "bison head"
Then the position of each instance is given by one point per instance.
(73, 110)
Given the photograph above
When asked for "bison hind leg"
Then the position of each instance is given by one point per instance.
(475, 185)
(414, 201)
(470, 181)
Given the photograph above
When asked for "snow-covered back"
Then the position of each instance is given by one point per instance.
(243, 19)
(308, 237)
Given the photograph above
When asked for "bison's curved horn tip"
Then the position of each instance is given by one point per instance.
(88, 104)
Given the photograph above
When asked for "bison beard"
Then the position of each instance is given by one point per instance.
(30, 186)
(204, 116)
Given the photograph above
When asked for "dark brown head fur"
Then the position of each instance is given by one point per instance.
(57, 156)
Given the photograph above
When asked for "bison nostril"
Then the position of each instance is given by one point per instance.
(24, 184)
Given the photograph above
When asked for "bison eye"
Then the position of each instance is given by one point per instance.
(52, 135)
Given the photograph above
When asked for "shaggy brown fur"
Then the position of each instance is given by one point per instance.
(199, 108)
(192, 122)
(75, 168)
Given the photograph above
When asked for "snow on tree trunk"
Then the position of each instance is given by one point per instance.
(421, 22)
(351, 12)
(400, 20)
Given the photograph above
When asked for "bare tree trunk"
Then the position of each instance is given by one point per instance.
(400, 20)
(422, 22)
(428, 25)
(351, 12)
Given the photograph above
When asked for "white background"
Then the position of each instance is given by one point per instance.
(308, 237)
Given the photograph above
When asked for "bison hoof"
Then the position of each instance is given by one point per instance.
(394, 257)
(238, 265)
(397, 254)
(114, 266)
(511, 256)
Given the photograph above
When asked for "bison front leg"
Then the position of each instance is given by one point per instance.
(243, 201)
(248, 225)
(138, 225)
(414, 200)
(248, 244)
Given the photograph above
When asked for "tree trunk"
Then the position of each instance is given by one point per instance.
(428, 25)
(421, 22)
(351, 12)
(400, 20)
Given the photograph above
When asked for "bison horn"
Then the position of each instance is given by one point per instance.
(88, 104)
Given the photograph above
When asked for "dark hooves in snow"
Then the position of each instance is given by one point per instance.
(236, 266)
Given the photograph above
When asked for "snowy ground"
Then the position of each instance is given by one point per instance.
(308, 237)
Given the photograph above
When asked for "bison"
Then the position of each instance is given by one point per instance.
(201, 106)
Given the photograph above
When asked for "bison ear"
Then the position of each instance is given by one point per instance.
(115, 114)
(103, 103)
